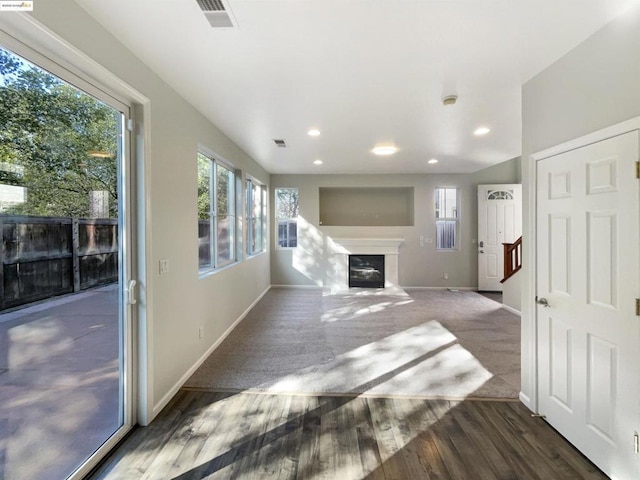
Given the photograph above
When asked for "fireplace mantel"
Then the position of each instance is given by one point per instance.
(343, 247)
(368, 246)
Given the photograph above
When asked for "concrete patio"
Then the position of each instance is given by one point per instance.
(59, 383)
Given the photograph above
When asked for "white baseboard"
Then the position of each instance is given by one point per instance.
(511, 309)
(178, 385)
(313, 287)
(302, 287)
(467, 289)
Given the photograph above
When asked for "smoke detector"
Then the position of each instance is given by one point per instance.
(449, 100)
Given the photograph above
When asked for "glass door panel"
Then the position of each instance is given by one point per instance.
(63, 264)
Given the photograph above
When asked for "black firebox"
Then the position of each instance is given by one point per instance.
(366, 271)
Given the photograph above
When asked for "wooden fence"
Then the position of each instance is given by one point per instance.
(45, 256)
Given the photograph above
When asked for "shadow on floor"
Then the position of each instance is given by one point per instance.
(59, 383)
(495, 296)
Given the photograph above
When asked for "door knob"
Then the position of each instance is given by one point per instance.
(542, 301)
(481, 244)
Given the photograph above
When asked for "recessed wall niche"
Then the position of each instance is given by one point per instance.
(366, 207)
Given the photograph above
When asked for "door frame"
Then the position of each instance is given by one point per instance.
(530, 255)
(29, 38)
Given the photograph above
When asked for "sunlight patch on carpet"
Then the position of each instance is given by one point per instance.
(419, 359)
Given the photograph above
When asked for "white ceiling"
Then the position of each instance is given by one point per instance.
(364, 72)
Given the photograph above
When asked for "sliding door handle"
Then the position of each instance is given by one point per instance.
(131, 292)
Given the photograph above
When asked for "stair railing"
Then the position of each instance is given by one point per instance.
(512, 258)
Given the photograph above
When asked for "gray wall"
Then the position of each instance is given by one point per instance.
(179, 302)
(594, 86)
(418, 266)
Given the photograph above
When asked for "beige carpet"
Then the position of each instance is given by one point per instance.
(423, 343)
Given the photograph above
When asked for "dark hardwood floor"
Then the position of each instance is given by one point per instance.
(217, 435)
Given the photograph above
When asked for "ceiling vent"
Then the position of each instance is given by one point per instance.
(280, 142)
(218, 15)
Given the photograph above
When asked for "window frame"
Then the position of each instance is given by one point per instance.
(288, 220)
(251, 187)
(215, 161)
(448, 219)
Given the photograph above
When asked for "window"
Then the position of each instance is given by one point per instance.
(256, 217)
(500, 195)
(446, 218)
(216, 213)
(287, 217)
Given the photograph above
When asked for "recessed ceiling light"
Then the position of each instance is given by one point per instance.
(482, 131)
(317, 162)
(449, 100)
(385, 150)
(314, 132)
(432, 161)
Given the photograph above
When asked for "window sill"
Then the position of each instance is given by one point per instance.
(203, 273)
(254, 255)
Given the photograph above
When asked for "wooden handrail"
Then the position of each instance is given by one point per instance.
(512, 258)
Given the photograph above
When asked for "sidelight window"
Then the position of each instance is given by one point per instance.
(447, 219)
(287, 210)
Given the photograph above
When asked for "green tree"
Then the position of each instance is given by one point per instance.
(287, 203)
(207, 202)
(63, 140)
(204, 187)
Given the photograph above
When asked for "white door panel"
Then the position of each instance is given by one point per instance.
(499, 221)
(587, 270)
(560, 362)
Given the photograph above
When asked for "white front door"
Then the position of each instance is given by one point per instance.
(587, 284)
(499, 221)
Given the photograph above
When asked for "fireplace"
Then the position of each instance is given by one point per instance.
(337, 271)
(366, 271)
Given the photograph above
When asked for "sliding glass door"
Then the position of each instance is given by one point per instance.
(65, 271)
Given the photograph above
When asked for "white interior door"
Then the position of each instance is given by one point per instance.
(499, 221)
(587, 273)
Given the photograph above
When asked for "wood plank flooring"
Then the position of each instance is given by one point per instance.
(223, 435)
